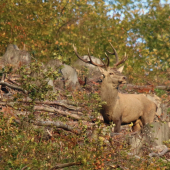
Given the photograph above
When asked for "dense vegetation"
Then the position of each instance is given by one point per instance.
(48, 29)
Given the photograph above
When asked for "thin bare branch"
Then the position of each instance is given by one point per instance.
(58, 166)
(24, 167)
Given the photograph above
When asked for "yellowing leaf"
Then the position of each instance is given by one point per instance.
(11, 119)
(131, 124)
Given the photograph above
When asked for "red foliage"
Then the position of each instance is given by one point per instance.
(146, 89)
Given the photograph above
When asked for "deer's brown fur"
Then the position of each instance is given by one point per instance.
(122, 108)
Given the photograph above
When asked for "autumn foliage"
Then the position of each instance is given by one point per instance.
(48, 29)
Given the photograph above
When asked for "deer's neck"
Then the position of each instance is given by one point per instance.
(109, 94)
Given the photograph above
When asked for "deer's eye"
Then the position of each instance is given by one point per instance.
(111, 73)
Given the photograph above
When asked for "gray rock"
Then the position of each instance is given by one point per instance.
(16, 57)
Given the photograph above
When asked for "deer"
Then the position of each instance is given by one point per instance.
(121, 108)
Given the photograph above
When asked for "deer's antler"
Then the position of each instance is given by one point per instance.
(113, 53)
(116, 55)
(91, 61)
(122, 61)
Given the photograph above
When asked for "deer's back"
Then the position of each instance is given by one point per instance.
(134, 106)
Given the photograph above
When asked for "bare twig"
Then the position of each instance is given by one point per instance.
(24, 167)
(58, 166)
(49, 133)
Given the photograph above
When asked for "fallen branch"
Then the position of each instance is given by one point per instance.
(63, 103)
(151, 154)
(160, 154)
(65, 165)
(146, 87)
(24, 167)
(57, 124)
(54, 110)
(46, 109)
(163, 88)
(69, 102)
(59, 103)
(2, 79)
(118, 166)
(13, 87)
(136, 156)
(13, 82)
(11, 104)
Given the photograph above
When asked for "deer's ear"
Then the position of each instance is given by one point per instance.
(120, 69)
(103, 71)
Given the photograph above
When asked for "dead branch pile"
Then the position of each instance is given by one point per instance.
(56, 109)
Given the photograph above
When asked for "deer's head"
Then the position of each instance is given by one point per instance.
(111, 75)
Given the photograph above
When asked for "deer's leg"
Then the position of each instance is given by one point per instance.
(149, 117)
(117, 125)
(137, 125)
